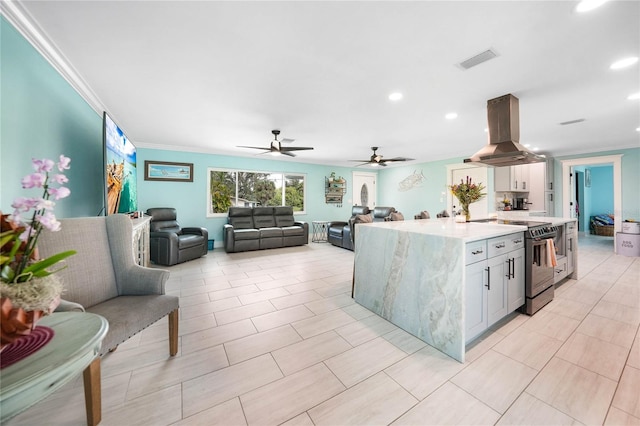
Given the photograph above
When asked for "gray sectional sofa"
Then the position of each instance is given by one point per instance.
(256, 228)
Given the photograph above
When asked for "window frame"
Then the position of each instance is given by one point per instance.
(283, 177)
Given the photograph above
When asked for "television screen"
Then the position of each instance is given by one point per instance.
(120, 170)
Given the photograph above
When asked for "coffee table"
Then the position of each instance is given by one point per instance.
(74, 348)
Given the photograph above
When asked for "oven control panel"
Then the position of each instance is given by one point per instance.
(540, 232)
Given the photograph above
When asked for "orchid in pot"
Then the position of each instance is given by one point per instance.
(28, 288)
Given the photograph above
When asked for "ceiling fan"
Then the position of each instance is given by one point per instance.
(276, 147)
(377, 160)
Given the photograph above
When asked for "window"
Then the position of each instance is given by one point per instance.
(237, 188)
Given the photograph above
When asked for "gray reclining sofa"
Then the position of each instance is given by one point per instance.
(256, 228)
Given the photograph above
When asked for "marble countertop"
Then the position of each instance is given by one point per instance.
(448, 228)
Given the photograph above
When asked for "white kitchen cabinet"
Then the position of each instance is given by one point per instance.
(494, 281)
(515, 282)
(511, 178)
(537, 179)
(560, 270)
(475, 299)
(496, 290)
(571, 239)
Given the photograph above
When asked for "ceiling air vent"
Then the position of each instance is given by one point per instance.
(579, 120)
(477, 59)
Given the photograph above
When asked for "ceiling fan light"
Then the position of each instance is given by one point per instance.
(275, 153)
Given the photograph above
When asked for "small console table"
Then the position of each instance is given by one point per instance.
(320, 230)
(75, 347)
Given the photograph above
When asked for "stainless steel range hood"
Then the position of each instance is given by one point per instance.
(504, 148)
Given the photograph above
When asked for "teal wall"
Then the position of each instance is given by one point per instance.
(601, 190)
(43, 117)
(190, 199)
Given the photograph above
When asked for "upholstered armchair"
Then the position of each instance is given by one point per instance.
(170, 244)
(103, 278)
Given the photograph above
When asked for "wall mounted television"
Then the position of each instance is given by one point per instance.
(120, 169)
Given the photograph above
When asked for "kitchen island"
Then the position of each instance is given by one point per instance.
(418, 275)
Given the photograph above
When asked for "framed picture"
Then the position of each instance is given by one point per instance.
(587, 178)
(168, 171)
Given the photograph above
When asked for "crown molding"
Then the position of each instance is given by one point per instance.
(16, 14)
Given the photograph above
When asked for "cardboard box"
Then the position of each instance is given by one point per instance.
(631, 227)
(628, 244)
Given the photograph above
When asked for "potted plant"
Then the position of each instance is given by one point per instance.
(467, 193)
(28, 290)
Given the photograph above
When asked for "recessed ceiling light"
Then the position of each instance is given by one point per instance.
(527, 145)
(536, 149)
(486, 130)
(634, 96)
(637, 129)
(451, 116)
(395, 96)
(588, 5)
(623, 63)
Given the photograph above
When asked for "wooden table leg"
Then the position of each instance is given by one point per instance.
(92, 392)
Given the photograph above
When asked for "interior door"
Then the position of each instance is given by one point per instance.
(478, 174)
(364, 189)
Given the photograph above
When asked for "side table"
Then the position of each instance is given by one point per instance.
(74, 348)
(320, 230)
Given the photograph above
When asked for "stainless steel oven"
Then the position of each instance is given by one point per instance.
(539, 272)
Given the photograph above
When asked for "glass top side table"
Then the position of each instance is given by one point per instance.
(74, 348)
(320, 230)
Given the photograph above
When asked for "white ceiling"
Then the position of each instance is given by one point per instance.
(207, 76)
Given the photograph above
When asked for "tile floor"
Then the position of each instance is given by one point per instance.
(273, 337)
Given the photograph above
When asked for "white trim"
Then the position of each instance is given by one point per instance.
(616, 160)
(25, 24)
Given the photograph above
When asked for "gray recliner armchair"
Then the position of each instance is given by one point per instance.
(103, 278)
(170, 244)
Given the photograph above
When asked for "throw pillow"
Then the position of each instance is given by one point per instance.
(363, 218)
(396, 216)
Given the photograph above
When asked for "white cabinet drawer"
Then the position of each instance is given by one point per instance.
(475, 252)
(504, 244)
(560, 270)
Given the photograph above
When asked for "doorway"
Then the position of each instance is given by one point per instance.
(569, 194)
(364, 189)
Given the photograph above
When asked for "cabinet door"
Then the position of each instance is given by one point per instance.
(536, 186)
(517, 178)
(570, 241)
(475, 299)
(502, 179)
(496, 289)
(515, 283)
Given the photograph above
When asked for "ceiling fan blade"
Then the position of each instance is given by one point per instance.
(290, 154)
(295, 148)
(361, 161)
(399, 159)
(253, 147)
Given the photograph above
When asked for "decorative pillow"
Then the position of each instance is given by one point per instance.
(363, 218)
(424, 215)
(396, 216)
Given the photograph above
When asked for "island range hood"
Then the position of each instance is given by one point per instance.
(504, 148)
